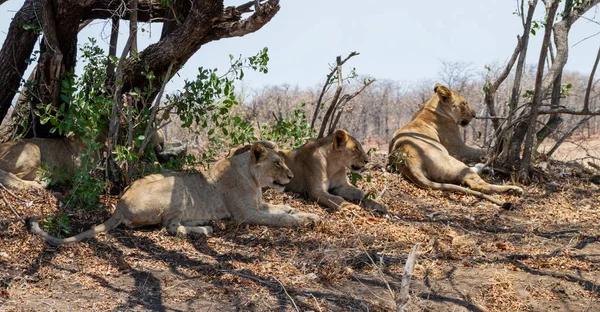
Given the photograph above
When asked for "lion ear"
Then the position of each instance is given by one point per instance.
(442, 91)
(340, 137)
(258, 153)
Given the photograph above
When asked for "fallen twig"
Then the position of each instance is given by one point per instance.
(403, 296)
(11, 193)
(11, 207)
(288, 295)
(593, 165)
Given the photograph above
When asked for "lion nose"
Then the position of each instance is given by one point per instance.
(290, 175)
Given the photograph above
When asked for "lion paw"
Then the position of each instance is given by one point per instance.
(204, 230)
(379, 207)
(517, 190)
(305, 217)
(347, 205)
(288, 209)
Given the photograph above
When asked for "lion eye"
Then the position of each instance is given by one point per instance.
(278, 164)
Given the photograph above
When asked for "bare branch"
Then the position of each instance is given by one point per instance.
(567, 135)
(325, 87)
(538, 92)
(133, 20)
(112, 48)
(490, 94)
(403, 296)
(586, 100)
(148, 133)
(227, 28)
(561, 39)
(331, 110)
(570, 112)
(345, 99)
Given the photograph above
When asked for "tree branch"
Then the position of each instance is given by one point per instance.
(570, 112)
(326, 85)
(330, 111)
(52, 46)
(133, 21)
(586, 100)
(490, 94)
(513, 148)
(538, 92)
(561, 39)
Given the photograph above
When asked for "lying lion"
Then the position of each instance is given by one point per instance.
(426, 150)
(20, 160)
(319, 168)
(184, 202)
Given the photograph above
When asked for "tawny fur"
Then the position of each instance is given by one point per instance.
(428, 150)
(184, 202)
(320, 166)
(21, 160)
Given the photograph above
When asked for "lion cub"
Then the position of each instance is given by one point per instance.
(183, 202)
(319, 168)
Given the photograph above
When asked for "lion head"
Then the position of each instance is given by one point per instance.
(271, 169)
(454, 104)
(348, 150)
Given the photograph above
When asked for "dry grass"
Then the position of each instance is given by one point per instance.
(543, 256)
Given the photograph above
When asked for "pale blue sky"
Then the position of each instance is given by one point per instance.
(397, 40)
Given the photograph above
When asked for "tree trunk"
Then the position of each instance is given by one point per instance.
(17, 47)
(538, 94)
(515, 140)
(57, 55)
(555, 120)
(208, 21)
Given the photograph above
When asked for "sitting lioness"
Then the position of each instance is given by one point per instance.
(183, 202)
(426, 150)
(20, 160)
(319, 168)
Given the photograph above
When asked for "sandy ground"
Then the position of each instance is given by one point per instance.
(542, 256)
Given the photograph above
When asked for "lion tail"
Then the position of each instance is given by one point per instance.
(421, 180)
(108, 225)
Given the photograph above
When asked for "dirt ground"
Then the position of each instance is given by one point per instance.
(542, 256)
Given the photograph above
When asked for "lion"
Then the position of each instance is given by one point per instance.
(158, 141)
(319, 168)
(184, 202)
(428, 150)
(21, 160)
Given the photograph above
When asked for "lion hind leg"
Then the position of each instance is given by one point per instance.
(13, 182)
(475, 182)
(421, 180)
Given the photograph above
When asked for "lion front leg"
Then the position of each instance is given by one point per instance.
(254, 216)
(277, 208)
(352, 193)
(329, 200)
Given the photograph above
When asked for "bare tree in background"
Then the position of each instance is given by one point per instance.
(516, 139)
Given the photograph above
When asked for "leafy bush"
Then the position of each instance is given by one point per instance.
(289, 131)
(208, 102)
(57, 226)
